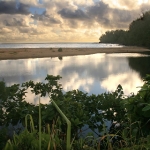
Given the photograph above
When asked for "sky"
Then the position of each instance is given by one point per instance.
(39, 21)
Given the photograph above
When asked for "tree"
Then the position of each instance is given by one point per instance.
(137, 35)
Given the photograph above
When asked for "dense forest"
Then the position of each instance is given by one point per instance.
(138, 33)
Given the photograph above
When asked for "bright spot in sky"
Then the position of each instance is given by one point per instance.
(142, 1)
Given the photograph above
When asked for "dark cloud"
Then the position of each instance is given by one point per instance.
(99, 9)
(99, 13)
(14, 22)
(122, 15)
(45, 18)
(108, 17)
(10, 7)
(102, 14)
(53, 20)
(25, 30)
(30, 31)
(77, 14)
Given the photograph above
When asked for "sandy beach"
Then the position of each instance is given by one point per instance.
(23, 53)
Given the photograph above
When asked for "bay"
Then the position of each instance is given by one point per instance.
(57, 45)
(94, 74)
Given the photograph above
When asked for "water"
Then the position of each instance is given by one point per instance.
(93, 74)
(58, 45)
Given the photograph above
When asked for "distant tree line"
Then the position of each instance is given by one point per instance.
(137, 35)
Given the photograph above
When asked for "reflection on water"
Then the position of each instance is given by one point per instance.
(60, 57)
(140, 64)
(94, 74)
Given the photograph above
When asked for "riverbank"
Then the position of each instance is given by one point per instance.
(23, 53)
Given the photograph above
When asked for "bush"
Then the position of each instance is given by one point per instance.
(60, 50)
(130, 113)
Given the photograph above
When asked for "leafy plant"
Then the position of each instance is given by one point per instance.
(118, 121)
(34, 139)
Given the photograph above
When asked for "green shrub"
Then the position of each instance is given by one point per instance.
(130, 113)
(59, 49)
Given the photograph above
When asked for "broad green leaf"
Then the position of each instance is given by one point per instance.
(146, 108)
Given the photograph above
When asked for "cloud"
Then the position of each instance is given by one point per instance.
(77, 14)
(124, 4)
(94, 74)
(100, 13)
(5, 30)
(46, 19)
(125, 79)
(66, 20)
(10, 7)
(14, 22)
(145, 7)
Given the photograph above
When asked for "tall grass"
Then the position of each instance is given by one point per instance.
(68, 144)
(39, 125)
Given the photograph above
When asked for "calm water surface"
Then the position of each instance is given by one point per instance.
(57, 45)
(94, 74)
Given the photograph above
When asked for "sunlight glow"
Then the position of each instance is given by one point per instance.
(142, 1)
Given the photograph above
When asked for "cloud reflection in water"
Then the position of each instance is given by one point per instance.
(94, 74)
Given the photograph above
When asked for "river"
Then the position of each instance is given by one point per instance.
(93, 74)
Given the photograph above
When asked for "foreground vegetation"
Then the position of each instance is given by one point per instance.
(137, 35)
(117, 121)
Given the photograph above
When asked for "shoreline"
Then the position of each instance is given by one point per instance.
(25, 53)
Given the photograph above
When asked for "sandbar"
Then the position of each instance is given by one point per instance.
(25, 53)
